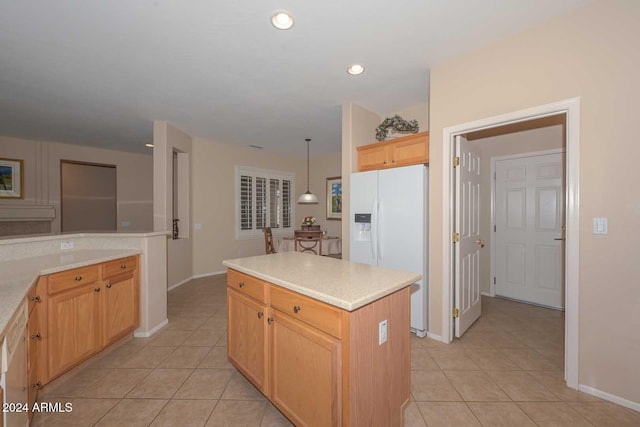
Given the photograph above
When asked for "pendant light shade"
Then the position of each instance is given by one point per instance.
(308, 198)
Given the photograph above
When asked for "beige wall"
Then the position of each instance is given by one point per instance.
(591, 53)
(42, 178)
(514, 143)
(214, 198)
(166, 139)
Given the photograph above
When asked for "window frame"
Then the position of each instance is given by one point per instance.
(268, 174)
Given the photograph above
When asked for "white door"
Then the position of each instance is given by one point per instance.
(529, 206)
(402, 232)
(363, 207)
(467, 224)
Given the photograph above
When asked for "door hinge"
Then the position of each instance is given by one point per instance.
(456, 237)
(456, 313)
(494, 280)
(456, 162)
(494, 228)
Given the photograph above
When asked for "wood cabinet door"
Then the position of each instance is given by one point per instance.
(75, 327)
(410, 151)
(119, 307)
(374, 157)
(247, 337)
(306, 373)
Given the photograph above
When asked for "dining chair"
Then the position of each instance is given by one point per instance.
(308, 241)
(268, 241)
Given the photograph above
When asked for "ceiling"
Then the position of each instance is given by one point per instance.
(99, 72)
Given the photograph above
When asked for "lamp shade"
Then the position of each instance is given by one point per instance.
(308, 198)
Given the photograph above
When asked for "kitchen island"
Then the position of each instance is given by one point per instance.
(326, 340)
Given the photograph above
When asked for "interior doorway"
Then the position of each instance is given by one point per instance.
(571, 110)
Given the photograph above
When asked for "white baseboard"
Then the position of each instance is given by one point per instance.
(182, 282)
(215, 273)
(487, 294)
(152, 331)
(610, 397)
(196, 276)
(434, 336)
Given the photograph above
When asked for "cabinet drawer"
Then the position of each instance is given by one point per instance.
(318, 314)
(248, 285)
(72, 278)
(118, 266)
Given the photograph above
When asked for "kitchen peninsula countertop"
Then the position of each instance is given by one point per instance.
(18, 275)
(344, 284)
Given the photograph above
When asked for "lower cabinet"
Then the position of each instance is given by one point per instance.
(79, 313)
(75, 327)
(320, 365)
(247, 337)
(306, 373)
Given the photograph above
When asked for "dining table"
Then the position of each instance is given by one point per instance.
(331, 245)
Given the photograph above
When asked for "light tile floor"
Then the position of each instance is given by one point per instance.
(505, 371)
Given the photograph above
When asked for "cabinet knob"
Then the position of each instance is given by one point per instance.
(241, 284)
(78, 278)
(107, 285)
(36, 385)
(36, 298)
(296, 308)
(393, 161)
(123, 266)
(96, 290)
(384, 163)
(36, 336)
(270, 320)
(260, 315)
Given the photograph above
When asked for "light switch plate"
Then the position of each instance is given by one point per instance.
(382, 332)
(600, 226)
(66, 245)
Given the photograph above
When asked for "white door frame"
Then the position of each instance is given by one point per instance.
(492, 239)
(570, 107)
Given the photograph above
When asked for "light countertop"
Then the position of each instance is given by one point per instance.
(17, 276)
(344, 284)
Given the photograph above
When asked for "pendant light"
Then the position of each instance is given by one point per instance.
(308, 198)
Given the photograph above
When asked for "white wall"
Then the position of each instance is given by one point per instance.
(591, 53)
(42, 178)
(166, 139)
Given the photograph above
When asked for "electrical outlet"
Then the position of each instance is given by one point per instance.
(125, 224)
(382, 332)
(198, 226)
(66, 245)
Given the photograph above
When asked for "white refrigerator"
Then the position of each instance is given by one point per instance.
(389, 227)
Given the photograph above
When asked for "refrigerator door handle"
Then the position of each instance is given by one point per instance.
(380, 230)
(374, 229)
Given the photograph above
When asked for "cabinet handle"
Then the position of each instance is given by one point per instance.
(96, 290)
(296, 308)
(36, 298)
(270, 320)
(107, 285)
(260, 315)
(241, 284)
(36, 385)
(393, 161)
(384, 163)
(36, 336)
(78, 278)
(123, 266)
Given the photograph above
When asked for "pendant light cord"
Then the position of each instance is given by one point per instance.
(308, 140)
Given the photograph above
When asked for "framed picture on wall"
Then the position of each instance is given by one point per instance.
(334, 198)
(11, 177)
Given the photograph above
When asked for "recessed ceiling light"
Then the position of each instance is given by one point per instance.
(282, 20)
(355, 69)
(148, 145)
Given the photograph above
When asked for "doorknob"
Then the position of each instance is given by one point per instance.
(480, 242)
(560, 238)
